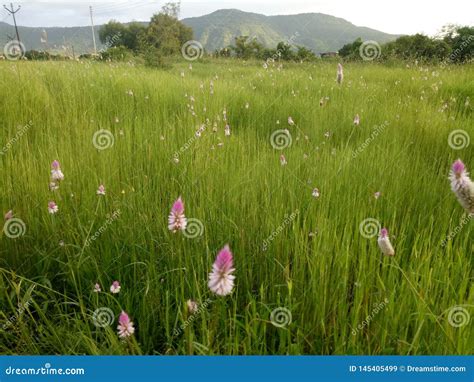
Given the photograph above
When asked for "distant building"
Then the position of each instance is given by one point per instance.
(329, 54)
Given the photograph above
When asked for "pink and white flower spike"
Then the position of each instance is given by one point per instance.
(462, 185)
(101, 190)
(384, 243)
(221, 279)
(125, 327)
(115, 287)
(176, 219)
(56, 173)
(52, 208)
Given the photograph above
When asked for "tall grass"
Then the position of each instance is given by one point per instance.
(318, 266)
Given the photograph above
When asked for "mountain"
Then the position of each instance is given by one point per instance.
(316, 31)
(60, 39)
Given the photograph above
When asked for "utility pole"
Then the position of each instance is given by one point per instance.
(93, 33)
(12, 12)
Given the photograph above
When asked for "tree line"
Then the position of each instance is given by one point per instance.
(454, 44)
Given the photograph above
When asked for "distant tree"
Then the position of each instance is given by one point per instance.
(461, 41)
(247, 48)
(112, 33)
(417, 46)
(165, 32)
(351, 50)
(304, 54)
(284, 51)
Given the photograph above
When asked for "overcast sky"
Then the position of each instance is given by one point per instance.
(394, 16)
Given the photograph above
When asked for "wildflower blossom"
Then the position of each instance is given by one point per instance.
(290, 121)
(97, 288)
(384, 243)
(221, 280)
(462, 185)
(115, 287)
(357, 120)
(101, 190)
(340, 74)
(283, 160)
(56, 173)
(377, 194)
(9, 215)
(125, 327)
(176, 219)
(192, 306)
(52, 207)
(227, 130)
(316, 193)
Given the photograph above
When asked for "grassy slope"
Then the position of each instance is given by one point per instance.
(330, 282)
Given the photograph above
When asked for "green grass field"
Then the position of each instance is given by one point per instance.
(316, 259)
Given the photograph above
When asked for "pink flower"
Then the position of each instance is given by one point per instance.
(115, 287)
(357, 120)
(52, 207)
(176, 220)
(9, 215)
(97, 288)
(56, 173)
(221, 280)
(101, 190)
(283, 160)
(125, 326)
(384, 243)
(462, 185)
